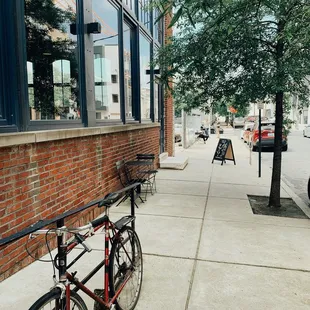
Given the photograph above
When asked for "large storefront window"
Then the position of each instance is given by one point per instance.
(128, 34)
(145, 78)
(51, 60)
(106, 61)
(56, 85)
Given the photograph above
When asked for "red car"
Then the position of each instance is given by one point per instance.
(267, 137)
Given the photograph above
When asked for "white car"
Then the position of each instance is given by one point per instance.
(306, 131)
(238, 122)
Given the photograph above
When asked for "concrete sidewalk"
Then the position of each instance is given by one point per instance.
(203, 247)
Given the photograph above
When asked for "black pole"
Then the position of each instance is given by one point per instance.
(132, 206)
(260, 143)
(62, 254)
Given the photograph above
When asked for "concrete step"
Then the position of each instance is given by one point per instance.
(178, 162)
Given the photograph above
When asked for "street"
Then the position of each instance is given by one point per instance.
(295, 163)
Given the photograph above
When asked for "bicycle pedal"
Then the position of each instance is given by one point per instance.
(100, 293)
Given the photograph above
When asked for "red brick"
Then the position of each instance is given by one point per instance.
(69, 173)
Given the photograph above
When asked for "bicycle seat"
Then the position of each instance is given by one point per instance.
(109, 199)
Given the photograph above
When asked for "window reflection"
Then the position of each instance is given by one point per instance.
(131, 4)
(145, 78)
(158, 27)
(156, 94)
(1, 85)
(106, 61)
(127, 71)
(52, 65)
(144, 12)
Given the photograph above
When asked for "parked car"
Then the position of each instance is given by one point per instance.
(238, 122)
(246, 132)
(267, 136)
(254, 118)
(306, 131)
(177, 133)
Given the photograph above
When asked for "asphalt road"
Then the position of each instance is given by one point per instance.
(295, 163)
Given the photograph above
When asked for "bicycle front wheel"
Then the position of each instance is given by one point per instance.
(126, 265)
(52, 300)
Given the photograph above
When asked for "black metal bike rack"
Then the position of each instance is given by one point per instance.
(59, 220)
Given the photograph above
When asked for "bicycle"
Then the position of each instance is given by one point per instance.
(123, 265)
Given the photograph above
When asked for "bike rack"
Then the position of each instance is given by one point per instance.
(59, 219)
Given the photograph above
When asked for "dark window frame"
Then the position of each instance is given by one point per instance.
(8, 68)
(15, 97)
(150, 41)
(135, 70)
(33, 125)
(107, 122)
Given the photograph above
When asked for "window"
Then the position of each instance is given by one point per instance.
(8, 76)
(145, 78)
(52, 61)
(158, 27)
(106, 61)
(2, 86)
(114, 78)
(128, 36)
(1, 104)
(115, 98)
(156, 92)
(131, 4)
(144, 13)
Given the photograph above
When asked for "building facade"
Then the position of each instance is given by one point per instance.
(77, 93)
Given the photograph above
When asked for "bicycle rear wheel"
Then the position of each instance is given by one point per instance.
(51, 300)
(125, 259)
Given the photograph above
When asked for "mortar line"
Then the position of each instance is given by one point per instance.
(191, 282)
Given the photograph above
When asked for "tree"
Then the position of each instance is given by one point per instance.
(250, 49)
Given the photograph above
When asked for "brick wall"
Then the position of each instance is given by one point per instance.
(169, 111)
(42, 180)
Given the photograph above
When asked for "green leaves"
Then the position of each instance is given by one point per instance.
(233, 50)
(176, 17)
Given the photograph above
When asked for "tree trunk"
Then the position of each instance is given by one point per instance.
(274, 198)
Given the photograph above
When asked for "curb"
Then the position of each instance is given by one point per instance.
(301, 204)
(287, 187)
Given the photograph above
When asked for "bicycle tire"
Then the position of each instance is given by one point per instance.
(54, 295)
(118, 267)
